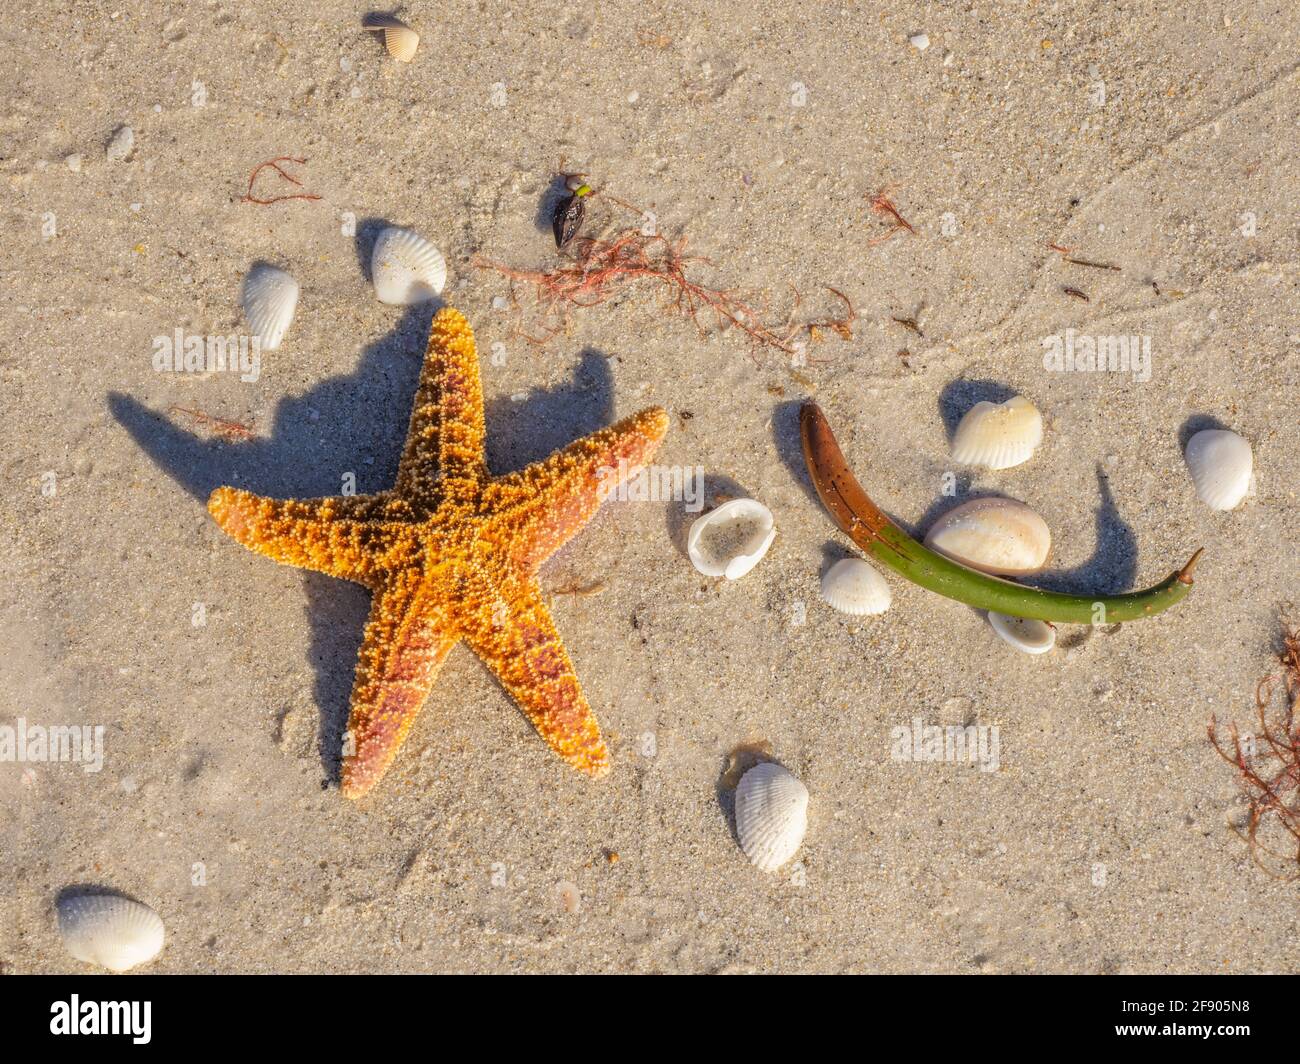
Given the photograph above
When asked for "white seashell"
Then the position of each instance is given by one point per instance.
(269, 299)
(993, 535)
(998, 435)
(400, 40)
(771, 815)
(1220, 463)
(855, 587)
(732, 539)
(406, 268)
(919, 41)
(1024, 633)
(106, 929)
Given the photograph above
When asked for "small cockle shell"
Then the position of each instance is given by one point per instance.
(771, 815)
(998, 435)
(853, 586)
(269, 299)
(406, 268)
(1220, 463)
(993, 535)
(400, 40)
(109, 930)
(732, 539)
(1024, 633)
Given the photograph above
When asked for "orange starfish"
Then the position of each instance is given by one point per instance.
(452, 553)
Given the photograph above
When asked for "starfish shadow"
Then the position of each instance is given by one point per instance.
(315, 439)
(528, 429)
(326, 432)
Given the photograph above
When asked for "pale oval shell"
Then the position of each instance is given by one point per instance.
(1024, 633)
(855, 587)
(406, 268)
(771, 815)
(732, 539)
(269, 299)
(1220, 463)
(998, 435)
(400, 40)
(109, 930)
(994, 535)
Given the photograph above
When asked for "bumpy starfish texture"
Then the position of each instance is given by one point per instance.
(450, 554)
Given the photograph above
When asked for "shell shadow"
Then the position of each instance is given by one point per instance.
(1194, 424)
(735, 764)
(960, 395)
(678, 520)
(91, 890)
(548, 203)
(363, 243)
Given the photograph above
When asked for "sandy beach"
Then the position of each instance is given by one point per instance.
(1160, 140)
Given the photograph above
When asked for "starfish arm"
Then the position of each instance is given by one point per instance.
(338, 535)
(541, 507)
(401, 653)
(445, 438)
(525, 653)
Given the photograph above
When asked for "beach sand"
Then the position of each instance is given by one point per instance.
(1162, 140)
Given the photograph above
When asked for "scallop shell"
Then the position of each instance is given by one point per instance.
(1220, 463)
(400, 40)
(771, 815)
(109, 930)
(998, 435)
(1024, 633)
(269, 299)
(853, 586)
(406, 268)
(732, 539)
(993, 535)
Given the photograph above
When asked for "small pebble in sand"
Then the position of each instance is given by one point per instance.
(568, 895)
(121, 144)
(919, 41)
(137, 207)
(632, 97)
(500, 302)
(74, 163)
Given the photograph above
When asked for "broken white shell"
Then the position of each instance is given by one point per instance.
(1220, 463)
(771, 815)
(109, 930)
(1024, 633)
(994, 535)
(998, 435)
(400, 40)
(855, 587)
(732, 539)
(406, 268)
(269, 299)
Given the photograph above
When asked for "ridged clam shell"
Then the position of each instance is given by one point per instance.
(771, 815)
(109, 930)
(406, 268)
(998, 435)
(1220, 463)
(400, 40)
(855, 587)
(269, 299)
(994, 535)
(730, 540)
(1024, 633)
